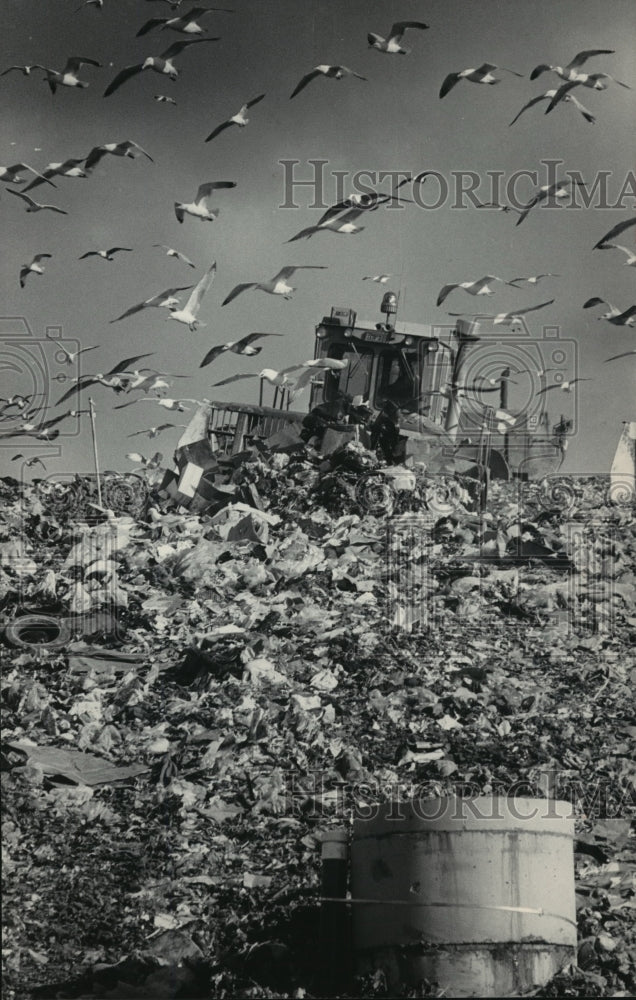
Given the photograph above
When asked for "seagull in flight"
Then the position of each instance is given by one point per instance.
(149, 380)
(167, 404)
(498, 206)
(163, 300)
(42, 430)
(25, 70)
(198, 208)
(381, 279)
(563, 386)
(418, 179)
(126, 148)
(483, 388)
(618, 317)
(552, 95)
(40, 434)
(97, 4)
(460, 390)
(170, 252)
(482, 74)
(307, 374)
(186, 24)
(539, 372)
(33, 268)
(625, 354)
(563, 94)
(344, 224)
(105, 254)
(70, 356)
(479, 287)
(284, 377)
(506, 317)
(175, 4)
(34, 206)
(277, 285)
(113, 378)
(616, 230)
(242, 346)
(534, 279)
(232, 378)
(154, 432)
(147, 463)
(240, 118)
(19, 401)
(393, 43)
(571, 72)
(504, 376)
(333, 72)
(29, 462)
(70, 168)
(162, 99)
(43, 427)
(189, 314)
(68, 76)
(11, 175)
(364, 202)
(160, 64)
(631, 254)
(558, 189)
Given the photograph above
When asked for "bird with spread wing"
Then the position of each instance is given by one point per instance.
(163, 63)
(114, 378)
(327, 72)
(392, 44)
(242, 346)
(163, 300)
(240, 119)
(278, 285)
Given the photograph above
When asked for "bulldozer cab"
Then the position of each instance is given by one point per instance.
(418, 368)
(409, 364)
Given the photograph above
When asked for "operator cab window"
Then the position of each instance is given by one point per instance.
(355, 379)
(398, 379)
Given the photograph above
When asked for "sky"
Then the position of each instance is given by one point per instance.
(393, 120)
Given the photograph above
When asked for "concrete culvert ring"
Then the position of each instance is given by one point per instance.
(38, 630)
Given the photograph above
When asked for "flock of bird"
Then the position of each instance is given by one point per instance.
(343, 218)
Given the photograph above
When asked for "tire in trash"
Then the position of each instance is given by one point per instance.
(38, 630)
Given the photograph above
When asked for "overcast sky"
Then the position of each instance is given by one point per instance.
(394, 120)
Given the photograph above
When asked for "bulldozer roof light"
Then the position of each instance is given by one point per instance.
(389, 303)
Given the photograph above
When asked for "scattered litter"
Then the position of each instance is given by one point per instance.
(75, 766)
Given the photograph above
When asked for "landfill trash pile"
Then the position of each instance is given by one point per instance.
(331, 632)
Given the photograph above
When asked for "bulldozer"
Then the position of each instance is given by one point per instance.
(418, 369)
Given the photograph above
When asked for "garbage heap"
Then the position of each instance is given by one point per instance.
(330, 632)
